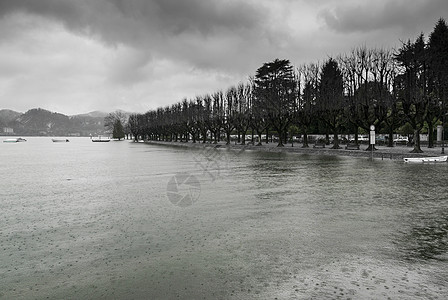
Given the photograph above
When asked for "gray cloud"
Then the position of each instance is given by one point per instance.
(205, 17)
(380, 15)
(69, 11)
(140, 21)
(137, 54)
(192, 30)
(130, 67)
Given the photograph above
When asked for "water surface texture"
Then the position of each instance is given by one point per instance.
(121, 220)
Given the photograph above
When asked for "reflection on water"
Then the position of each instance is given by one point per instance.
(425, 237)
(81, 220)
(430, 241)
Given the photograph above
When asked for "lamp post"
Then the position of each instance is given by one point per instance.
(443, 132)
(372, 139)
(443, 126)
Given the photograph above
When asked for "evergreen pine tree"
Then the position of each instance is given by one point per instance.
(118, 132)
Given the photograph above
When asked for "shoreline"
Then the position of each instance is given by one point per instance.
(382, 152)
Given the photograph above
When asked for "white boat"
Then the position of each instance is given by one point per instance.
(426, 159)
(60, 140)
(101, 139)
(15, 140)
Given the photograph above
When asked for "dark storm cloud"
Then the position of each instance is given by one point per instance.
(138, 21)
(205, 17)
(188, 30)
(68, 11)
(136, 54)
(380, 15)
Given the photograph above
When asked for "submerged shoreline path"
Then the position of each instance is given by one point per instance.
(382, 152)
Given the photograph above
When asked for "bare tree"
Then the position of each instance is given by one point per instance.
(115, 122)
(412, 84)
(242, 119)
(230, 112)
(307, 79)
(330, 104)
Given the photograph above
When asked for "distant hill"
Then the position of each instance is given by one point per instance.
(41, 122)
(93, 114)
(7, 115)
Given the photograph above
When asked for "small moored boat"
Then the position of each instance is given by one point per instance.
(101, 139)
(15, 140)
(426, 159)
(60, 140)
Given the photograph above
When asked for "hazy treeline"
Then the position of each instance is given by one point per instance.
(391, 89)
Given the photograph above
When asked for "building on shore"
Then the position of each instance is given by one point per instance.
(8, 131)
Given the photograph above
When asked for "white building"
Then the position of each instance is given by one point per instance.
(8, 130)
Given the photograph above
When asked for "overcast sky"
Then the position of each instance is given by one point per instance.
(76, 56)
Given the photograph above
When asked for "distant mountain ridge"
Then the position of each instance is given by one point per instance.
(7, 115)
(42, 122)
(93, 114)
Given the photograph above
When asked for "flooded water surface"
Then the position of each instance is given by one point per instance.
(121, 220)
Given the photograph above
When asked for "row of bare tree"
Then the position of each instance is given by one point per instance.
(382, 87)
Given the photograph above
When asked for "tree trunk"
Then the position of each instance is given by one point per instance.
(390, 142)
(417, 148)
(215, 137)
(280, 139)
(430, 134)
(305, 140)
(370, 147)
(335, 140)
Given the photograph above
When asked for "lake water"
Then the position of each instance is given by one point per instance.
(122, 220)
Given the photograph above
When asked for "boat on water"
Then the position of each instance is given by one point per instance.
(14, 140)
(425, 159)
(101, 139)
(60, 140)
